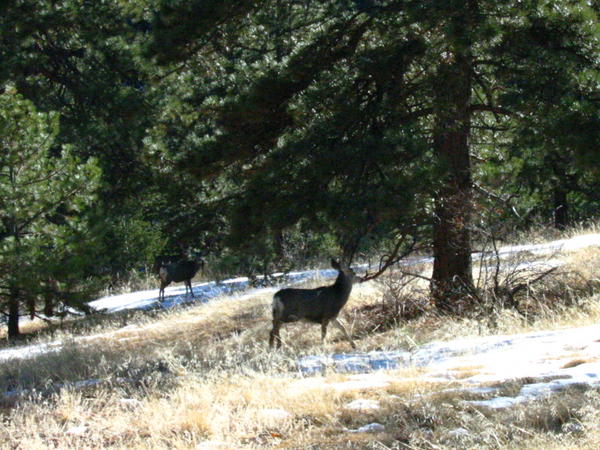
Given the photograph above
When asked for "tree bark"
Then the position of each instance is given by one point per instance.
(561, 209)
(49, 306)
(559, 194)
(452, 271)
(13, 314)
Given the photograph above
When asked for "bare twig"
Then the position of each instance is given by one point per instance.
(394, 257)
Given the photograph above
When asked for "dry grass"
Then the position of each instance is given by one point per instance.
(201, 377)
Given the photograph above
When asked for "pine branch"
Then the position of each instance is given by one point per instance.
(497, 110)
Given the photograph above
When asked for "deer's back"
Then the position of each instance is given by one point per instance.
(312, 305)
(181, 271)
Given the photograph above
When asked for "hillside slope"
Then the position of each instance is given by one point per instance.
(201, 376)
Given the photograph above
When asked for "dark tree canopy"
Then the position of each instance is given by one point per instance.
(362, 117)
(270, 134)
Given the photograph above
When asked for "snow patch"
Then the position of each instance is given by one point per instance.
(363, 405)
(77, 431)
(459, 432)
(369, 428)
(557, 359)
(275, 414)
(565, 357)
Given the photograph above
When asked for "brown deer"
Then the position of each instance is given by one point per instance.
(321, 305)
(175, 272)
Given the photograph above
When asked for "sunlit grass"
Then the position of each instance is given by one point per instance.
(203, 376)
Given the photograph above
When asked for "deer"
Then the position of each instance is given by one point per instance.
(321, 305)
(178, 271)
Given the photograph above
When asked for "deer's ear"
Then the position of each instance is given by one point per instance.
(335, 264)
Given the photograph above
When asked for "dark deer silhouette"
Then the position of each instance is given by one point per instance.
(321, 305)
(175, 272)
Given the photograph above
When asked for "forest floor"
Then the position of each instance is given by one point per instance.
(201, 376)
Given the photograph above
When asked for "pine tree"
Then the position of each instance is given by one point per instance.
(367, 123)
(43, 190)
(81, 60)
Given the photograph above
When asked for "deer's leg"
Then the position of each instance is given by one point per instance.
(324, 324)
(188, 284)
(161, 291)
(341, 327)
(274, 335)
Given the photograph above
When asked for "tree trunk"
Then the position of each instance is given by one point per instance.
(49, 306)
(452, 271)
(560, 192)
(13, 314)
(561, 210)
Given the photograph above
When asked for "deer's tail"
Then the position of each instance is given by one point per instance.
(163, 273)
(277, 306)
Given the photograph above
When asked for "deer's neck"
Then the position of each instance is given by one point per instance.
(343, 287)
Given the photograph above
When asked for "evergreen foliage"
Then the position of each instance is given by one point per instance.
(80, 60)
(361, 119)
(269, 134)
(44, 192)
